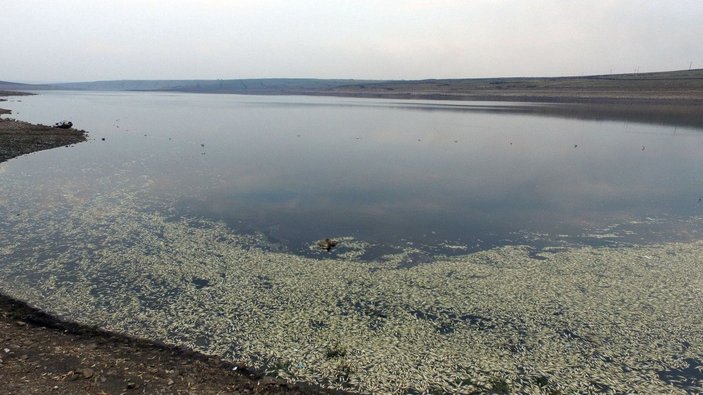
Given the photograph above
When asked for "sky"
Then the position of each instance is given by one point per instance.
(86, 40)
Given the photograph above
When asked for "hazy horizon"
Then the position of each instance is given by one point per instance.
(80, 40)
(49, 82)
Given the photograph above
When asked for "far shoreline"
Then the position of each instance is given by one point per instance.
(677, 87)
(685, 110)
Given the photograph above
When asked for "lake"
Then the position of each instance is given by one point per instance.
(555, 248)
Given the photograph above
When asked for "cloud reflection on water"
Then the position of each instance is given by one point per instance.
(300, 168)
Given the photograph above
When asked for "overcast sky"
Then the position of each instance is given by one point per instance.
(81, 40)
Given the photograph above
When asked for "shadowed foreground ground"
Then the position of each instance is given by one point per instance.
(41, 354)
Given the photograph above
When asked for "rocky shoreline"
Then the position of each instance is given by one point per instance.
(21, 138)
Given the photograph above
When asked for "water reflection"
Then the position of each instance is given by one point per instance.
(685, 115)
(300, 169)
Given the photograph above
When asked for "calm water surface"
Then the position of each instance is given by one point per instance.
(431, 174)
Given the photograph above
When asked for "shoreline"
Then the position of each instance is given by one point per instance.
(19, 138)
(608, 98)
(674, 87)
(41, 352)
(684, 110)
(63, 357)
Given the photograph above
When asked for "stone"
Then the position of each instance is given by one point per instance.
(87, 373)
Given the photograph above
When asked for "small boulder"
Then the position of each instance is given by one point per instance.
(327, 244)
(87, 373)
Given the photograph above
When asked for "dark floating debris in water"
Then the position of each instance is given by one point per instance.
(327, 244)
(63, 125)
(103, 139)
(576, 145)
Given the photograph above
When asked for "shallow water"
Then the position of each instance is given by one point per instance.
(546, 246)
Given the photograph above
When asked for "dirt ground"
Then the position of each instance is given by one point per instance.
(40, 354)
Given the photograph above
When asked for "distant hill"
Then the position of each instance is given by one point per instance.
(685, 85)
(671, 87)
(14, 86)
(250, 86)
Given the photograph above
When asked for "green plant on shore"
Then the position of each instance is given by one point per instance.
(276, 366)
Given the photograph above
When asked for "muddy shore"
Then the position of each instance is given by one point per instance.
(41, 353)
